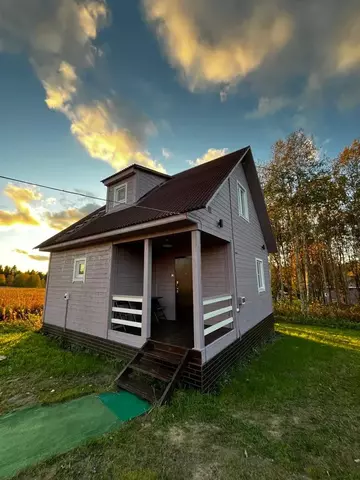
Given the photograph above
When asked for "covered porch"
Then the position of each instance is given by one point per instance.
(176, 289)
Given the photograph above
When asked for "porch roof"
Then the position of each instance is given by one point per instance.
(184, 192)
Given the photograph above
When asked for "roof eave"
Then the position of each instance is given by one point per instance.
(115, 233)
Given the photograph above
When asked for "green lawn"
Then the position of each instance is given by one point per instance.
(37, 371)
(292, 413)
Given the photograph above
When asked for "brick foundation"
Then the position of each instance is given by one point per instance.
(202, 377)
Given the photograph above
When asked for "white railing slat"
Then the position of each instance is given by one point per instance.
(215, 327)
(215, 313)
(127, 310)
(211, 300)
(121, 298)
(128, 323)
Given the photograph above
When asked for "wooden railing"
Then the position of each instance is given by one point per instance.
(216, 313)
(125, 313)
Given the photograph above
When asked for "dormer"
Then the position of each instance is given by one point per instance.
(126, 187)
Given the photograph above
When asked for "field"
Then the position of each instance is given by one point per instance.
(21, 303)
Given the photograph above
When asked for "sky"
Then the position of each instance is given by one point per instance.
(88, 87)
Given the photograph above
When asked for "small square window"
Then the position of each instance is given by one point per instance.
(120, 195)
(260, 275)
(79, 270)
(242, 201)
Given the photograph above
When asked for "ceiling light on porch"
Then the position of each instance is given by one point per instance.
(167, 244)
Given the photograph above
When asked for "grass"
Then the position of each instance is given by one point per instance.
(37, 371)
(292, 413)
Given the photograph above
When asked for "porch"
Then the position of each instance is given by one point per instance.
(177, 289)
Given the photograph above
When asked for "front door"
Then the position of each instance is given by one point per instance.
(183, 285)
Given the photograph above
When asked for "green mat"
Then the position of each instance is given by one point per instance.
(34, 434)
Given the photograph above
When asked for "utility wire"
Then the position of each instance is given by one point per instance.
(79, 194)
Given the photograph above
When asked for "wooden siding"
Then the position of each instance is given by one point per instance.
(214, 274)
(248, 242)
(131, 194)
(128, 270)
(138, 184)
(214, 271)
(89, 301)
(164, 277)
(146, 182)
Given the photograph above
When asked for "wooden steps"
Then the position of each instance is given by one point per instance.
(154, 371)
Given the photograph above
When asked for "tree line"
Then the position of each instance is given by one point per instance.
(314, 207)
(13, 277)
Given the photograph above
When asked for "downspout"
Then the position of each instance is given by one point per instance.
(237, 310)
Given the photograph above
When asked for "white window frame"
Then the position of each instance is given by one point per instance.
(77, 277)
(116, 201)
(243, 208)
(260, 274)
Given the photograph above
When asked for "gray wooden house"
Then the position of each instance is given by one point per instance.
(170, 264)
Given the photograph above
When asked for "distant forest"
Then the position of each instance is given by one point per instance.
(314, 207)
(13, 277)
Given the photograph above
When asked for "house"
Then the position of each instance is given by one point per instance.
(181, 260)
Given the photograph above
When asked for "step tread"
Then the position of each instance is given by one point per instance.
(167, 347)
(162, 356)
(138, 388)
(158, 373)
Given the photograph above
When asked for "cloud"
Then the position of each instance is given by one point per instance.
(65, 218)
(22, 252)
(59, 38)
(269, 106)
(27, 213)
(98, 127)
(211, 154)
(32, 256)
(273, 44)
(216, 43)
(23, 213)
(166, 153)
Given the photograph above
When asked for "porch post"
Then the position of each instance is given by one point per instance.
(199, 338)
(146, 305)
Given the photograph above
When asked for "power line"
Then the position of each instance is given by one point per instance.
(79, 194)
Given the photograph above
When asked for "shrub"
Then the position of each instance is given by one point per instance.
(332, 315)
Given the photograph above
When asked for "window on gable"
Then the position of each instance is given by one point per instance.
(79, 270)
(260, 275)
(120, 195)
(242, 201)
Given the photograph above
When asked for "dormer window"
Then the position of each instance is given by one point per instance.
(120, 194)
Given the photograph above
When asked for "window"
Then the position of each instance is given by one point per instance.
(242, 201)
(120, 195)
(260, 275)
(79, 270)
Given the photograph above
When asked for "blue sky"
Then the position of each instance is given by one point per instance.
(89, 87)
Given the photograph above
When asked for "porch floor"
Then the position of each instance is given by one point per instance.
(181, 333)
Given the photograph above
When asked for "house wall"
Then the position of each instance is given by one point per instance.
(138, 184)
(131, 194)
(214, 274)
(89, 301)
(128, 270)
(146, 182)
(163, 275)
(214, 270)
(247, 239)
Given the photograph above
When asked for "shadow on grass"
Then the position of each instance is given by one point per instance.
(326, 336)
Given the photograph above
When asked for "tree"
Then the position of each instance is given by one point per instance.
(2, 280)
(314, 207)
(33, 281)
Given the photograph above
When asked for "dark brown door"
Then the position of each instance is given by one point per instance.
(183, 285)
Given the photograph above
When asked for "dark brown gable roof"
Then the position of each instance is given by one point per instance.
(187, 191)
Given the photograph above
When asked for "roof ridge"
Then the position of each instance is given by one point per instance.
(215, 160)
